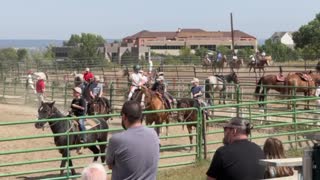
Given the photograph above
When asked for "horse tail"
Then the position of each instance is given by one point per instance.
(207, 88)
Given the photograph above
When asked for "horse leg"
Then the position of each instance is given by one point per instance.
(63, 162)
(189, 126)
(102, 151)
(95, 151)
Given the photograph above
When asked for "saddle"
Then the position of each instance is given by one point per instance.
(280, 78)
(163, 100)
(304, 76)
(220, 78)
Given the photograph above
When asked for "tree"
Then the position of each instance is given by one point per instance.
(279, 51)
(22, 54)
(86, 47)
(201, 52)
(307, 38)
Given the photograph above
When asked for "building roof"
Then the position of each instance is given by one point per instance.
(281, 34)
(189, 33)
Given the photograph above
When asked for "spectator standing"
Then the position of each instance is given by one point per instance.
(40, 89)
(30, 82)
(273, 149)
(134, 153)
(94, 171)
(239, 158)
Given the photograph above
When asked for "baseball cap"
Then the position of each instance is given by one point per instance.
(87, 69)
(195, 80)
(77, 89)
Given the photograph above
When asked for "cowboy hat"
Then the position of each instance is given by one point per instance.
(77, 89)
(195, 80)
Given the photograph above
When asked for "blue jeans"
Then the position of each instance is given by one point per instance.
(82, 127)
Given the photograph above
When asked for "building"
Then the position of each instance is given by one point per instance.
(284, 38)
(172, 42)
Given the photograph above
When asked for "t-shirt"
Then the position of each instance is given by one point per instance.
(80, 102)
(196, 89)
(237, 161)
(136, 79)
(96, 88)
(40, 86)
(87, 76)
(134, 154)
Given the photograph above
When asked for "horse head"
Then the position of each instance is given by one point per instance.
(234, 77)
(45, 111)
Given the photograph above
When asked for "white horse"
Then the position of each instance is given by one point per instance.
(218, 83)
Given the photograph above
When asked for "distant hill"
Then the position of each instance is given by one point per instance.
(33, 44)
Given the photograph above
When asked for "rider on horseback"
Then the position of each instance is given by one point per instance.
(160, 87)
(78, 106)
(136, 79)
(219, 56)
(197, 92)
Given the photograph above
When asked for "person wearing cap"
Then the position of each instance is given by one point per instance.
(196, 90)
(78, 107)
(239, 158)
(234, 57)
(40, 89)
(88, 76)
(144, 78)
(135, 79)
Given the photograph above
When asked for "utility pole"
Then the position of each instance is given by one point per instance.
(232, 36)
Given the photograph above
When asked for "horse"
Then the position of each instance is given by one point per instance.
(47, 110)
(268, 82)
(154, 101)
(295, 83)
(187, 115)
(78, 78)
(207, 63)
(260, 64)
(235, 64)
(220, 64)
(99, 105)
(218, 83)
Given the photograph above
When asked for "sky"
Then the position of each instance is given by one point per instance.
(58, 19)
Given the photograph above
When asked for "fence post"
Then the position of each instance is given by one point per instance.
(201, 134)
(194, 71)
(52, 91)
(68, 152)
(15, 86)
(265, 109)
(295, 116)
(238, 100)
(65, 93)
(4, 87)
(111, 95)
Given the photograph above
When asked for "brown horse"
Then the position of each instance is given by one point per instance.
(294, 83)
(153, 101)
(235, 65)
(266, 83)
(260, 64)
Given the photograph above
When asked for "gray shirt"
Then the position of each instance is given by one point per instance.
(134, 154)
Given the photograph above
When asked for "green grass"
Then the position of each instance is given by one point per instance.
(194, 172)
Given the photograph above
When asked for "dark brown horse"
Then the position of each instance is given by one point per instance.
(187, 115)
(260, 65)
(266, 83)
(235, 64)
(47, 111)
(99, 105)
(154, 101)
(295, 83)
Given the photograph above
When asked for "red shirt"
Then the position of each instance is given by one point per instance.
(87, 76)
(40, 86)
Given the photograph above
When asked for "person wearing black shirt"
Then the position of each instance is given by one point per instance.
(78, 105)
(239, 158)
